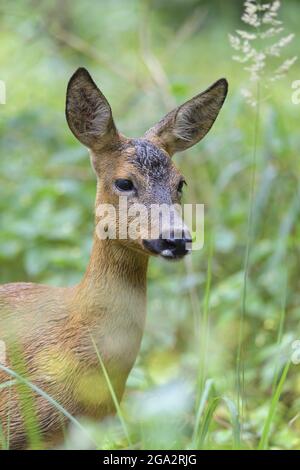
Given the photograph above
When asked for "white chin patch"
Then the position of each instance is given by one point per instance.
(167, 253)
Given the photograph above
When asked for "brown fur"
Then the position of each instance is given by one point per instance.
(48, 331)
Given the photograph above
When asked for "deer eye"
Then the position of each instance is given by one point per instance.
(180, 186)
(124, 185)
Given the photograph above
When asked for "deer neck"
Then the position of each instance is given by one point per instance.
(113, 266)
(115, 271)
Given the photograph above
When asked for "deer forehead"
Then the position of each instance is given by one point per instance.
(151, 162)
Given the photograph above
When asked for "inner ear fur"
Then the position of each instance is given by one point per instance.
(88, 112)
(187, 124)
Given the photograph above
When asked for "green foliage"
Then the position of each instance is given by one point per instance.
(148, 56)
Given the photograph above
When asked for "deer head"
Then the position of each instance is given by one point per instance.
(141, 170)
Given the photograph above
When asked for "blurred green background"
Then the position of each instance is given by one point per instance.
(148, 56)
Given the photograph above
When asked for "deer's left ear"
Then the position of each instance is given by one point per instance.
(189, 123)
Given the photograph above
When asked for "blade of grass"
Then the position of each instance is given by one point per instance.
(26, 401)
(47, 397)
(113, 394)
(234, 422)
(280, 329)
(207, 418)
(263, 443)
(203, 399)
(11, 383)
(204, 325)
(266, 430)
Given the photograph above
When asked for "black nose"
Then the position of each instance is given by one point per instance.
(171, 248)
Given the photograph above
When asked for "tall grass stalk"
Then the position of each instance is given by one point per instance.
(255, 50)
(234, 422)
(113, 394)
(278, 382)
(204, 323)
(280, 333)
(263, 443)
(240, 373)
(204, 386)
(199, 413)
(206, 421)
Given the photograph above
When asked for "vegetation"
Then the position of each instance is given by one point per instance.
(215, 368)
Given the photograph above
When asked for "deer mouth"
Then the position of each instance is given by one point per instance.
(169, 249)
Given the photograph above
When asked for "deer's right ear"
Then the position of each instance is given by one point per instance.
(88, 112)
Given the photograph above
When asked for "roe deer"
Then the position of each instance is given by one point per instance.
(52, 334)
